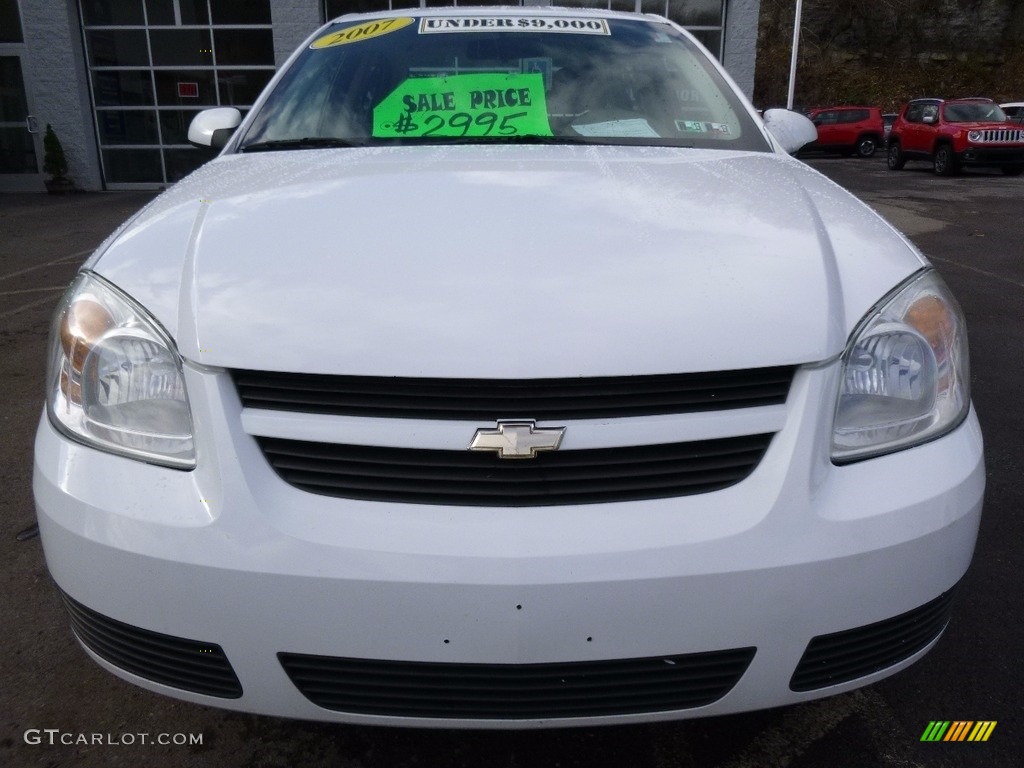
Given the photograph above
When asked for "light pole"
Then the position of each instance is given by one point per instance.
(792, 61)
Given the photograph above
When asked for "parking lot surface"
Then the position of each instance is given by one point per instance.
(57, 708)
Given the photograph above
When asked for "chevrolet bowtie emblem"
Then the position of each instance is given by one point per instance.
(517, 439)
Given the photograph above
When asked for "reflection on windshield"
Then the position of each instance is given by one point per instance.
(974, 113)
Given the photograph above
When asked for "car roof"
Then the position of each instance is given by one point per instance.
(961, 100)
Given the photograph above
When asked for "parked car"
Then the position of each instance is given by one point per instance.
(847, 130)
(1014, 111)
(955, 133)
(505, 370)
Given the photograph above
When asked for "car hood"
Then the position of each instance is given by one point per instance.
(987, 125)
(506, 261)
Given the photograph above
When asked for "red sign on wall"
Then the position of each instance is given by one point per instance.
(188, 90)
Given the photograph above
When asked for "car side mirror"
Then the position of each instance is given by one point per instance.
(214, 127)
(791, 129)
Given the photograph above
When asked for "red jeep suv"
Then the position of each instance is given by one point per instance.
(955, 133)
(847, 130)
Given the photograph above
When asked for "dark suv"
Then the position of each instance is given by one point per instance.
(847, 130)
(955, 133)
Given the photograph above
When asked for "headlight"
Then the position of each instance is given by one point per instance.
(905, 377)
(114, 379)
(974, 136)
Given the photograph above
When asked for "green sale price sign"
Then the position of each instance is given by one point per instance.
(472, 105)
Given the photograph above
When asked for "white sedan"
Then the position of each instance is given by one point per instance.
(505, 370)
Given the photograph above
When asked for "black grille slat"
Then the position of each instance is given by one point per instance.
(474, 478)
(880, 638)
(845, 656)
(509, 486)
(568, 471)
(490, 399)
(190, 665)
(492, 691)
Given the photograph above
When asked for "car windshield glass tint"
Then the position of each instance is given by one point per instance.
(974, 113)
(485, 79)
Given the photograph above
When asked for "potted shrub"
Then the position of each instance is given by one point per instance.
(55, 163)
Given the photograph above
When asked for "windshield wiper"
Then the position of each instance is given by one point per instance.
(309, 142)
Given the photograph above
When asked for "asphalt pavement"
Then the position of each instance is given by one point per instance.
(57, 708)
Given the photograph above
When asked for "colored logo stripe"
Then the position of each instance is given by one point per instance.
(935, 731)
(958, 730)
(982, 730)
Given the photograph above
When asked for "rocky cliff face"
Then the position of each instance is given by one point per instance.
(887, 51)
(926, 25)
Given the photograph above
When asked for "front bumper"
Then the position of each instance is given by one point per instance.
(992, 157)
(233, 559)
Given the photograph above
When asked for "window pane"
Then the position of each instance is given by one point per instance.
(17, 154)
(194, 12)
(175, 47)
(112, 12)
(696, 13)
(132, 165)
(336, 8)
(118, 48)
(127, 126)
(240, 11)
(239, 88)
(712, 40)
(161, 12)
(130, 88)
(13, 105)
(185, 88)
(10, 22)
(181, 162)
(174, 124)
(244, 46)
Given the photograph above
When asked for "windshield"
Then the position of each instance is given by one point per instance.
(974, 112)
(478, 77)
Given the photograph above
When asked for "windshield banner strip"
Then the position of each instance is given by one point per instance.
(558, 24)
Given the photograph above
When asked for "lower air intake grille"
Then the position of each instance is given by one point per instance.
(470, 478)
(844, 656)
(190, 665)
(516, 691)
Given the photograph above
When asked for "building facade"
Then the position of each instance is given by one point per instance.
(120, 80)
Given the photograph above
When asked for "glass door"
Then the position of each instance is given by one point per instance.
(154, 64)
(20, 140)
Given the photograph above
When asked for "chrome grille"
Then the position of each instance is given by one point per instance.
(992, 136)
